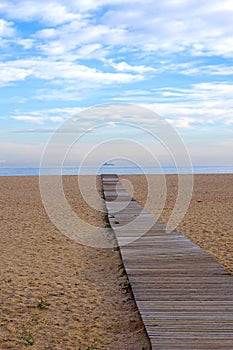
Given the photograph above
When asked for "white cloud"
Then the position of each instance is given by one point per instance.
(218, 70)
(184, 123)
(55, 115)
(92, 51)
(28, 118)
(70, 33)
(25, 43)
(73, 36)
(112, 124)
(199, 28)
(191, 68)
(175, 26)
(56, 119)
(65, 94)
(194, 68)
(6, 28)
(136, 92)
(11, 72)
(50, 70)
(125, 67)
(50, 12)
(47, 33)
(201, 105)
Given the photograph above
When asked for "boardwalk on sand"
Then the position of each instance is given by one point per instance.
(184, 296)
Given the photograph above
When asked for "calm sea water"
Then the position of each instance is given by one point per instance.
(26, 171)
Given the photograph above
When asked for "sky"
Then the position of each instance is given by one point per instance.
(59, 58)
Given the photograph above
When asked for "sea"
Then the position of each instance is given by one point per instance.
(115, 169)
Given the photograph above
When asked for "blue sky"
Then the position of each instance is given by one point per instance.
(60, 57)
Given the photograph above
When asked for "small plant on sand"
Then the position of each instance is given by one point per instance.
(125, 285)
(27, 337)
(107, 225)
(129, 299)
(43, 304)
(143, 346)
(122, 269)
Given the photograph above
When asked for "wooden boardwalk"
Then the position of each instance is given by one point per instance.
(184, 296)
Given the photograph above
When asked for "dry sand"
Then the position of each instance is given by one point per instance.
(55, 292)
(209, 219)
(63, 295)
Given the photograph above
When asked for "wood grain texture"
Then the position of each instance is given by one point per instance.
(184, 296)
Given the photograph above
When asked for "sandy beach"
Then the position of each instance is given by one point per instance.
(58, 294)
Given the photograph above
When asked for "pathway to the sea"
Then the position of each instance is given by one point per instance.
(184, 296)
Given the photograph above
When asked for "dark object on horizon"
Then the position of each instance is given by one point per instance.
(108, 164)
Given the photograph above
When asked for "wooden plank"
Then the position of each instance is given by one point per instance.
(184, 296)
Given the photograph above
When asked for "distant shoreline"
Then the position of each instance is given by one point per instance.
(118, 169)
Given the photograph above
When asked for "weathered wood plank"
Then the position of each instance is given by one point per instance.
(184, 296)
